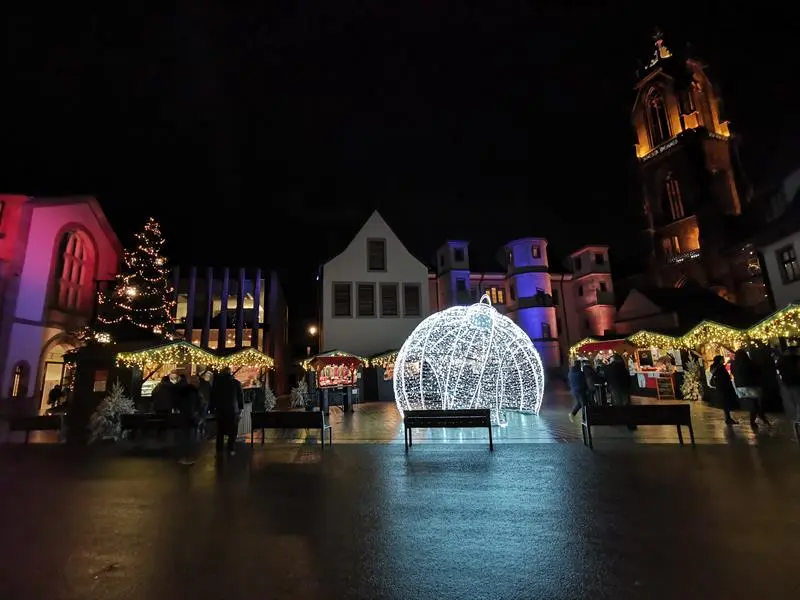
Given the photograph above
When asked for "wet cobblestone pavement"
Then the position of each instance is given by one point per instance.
(368, 521)
(380, 423)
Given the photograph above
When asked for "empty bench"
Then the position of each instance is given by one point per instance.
(294, 419)
(637, 414)
(42, 423)
(150, 422)
(419, 419)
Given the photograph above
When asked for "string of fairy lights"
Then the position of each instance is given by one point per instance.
(141, 294)
(783, 324)
(182, 353)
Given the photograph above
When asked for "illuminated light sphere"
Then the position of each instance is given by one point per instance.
(469, 357)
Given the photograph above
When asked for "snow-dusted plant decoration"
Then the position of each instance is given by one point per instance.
(469, 357)
(298, 394)
(692, 387)
(269, 399)
(105, 423)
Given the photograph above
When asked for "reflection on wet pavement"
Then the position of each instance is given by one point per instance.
(368, 521)
(380, 423)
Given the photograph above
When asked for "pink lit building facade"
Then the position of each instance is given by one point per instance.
(554, 309)
(53, 253)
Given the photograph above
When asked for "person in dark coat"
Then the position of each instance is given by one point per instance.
(788, 367)
(578, 387)
(204, 389)
(594, 384)
(188, 405)
(227, 402)
(163, 400)
(748, 381)
(723, 388)
(619, 381)
(54, 397)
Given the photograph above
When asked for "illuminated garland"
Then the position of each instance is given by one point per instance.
(651, 339)
(713, 333)
(384, 360)
(308, 365)
(784, 323)
(175, 353)
(179, 353)
(249, 357)
(575, 348)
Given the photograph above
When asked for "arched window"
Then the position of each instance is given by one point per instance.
(74, 271)
(657, 119)
(673, 197)
(19, 380)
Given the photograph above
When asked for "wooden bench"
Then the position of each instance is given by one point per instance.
(637, 414)
(41, 423)
(150, 422)
(293, 419)
(416, 419)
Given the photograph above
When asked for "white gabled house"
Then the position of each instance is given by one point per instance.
(373, 294)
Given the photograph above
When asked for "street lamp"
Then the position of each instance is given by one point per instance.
(312, 330)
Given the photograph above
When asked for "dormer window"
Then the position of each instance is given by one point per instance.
(376, 255)
(536, 251)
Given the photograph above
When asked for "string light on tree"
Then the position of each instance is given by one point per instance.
(141, 294)
(469, 357)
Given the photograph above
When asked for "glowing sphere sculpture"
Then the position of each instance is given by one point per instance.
(469, 357)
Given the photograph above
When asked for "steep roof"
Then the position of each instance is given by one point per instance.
(693, 304)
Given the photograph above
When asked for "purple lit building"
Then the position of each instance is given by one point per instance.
(554, 309)
(53, 253)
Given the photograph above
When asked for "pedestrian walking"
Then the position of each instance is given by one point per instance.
(227, 402)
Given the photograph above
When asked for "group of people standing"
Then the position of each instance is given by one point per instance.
(747, 381)
(745, 384)
(194, 400)
(590, 384)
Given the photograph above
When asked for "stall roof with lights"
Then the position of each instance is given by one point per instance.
(383, 359)
(333, 357)
(784, 323)
(169, 353)
(178, 352)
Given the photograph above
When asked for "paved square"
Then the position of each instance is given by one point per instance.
(367, 521)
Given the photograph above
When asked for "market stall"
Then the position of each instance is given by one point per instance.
(336, 376)
(657, 364)
(170, 359)
(383, 366)
(591, 349)
(251, 368)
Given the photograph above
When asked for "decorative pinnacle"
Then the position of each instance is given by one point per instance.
(658, 35)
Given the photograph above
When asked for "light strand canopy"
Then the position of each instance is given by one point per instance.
(468, 357)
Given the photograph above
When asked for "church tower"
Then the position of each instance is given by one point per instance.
(688, 171)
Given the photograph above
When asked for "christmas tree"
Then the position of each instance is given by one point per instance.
(141, 300)
(692, 388)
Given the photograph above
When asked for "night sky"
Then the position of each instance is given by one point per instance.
(265, 135)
